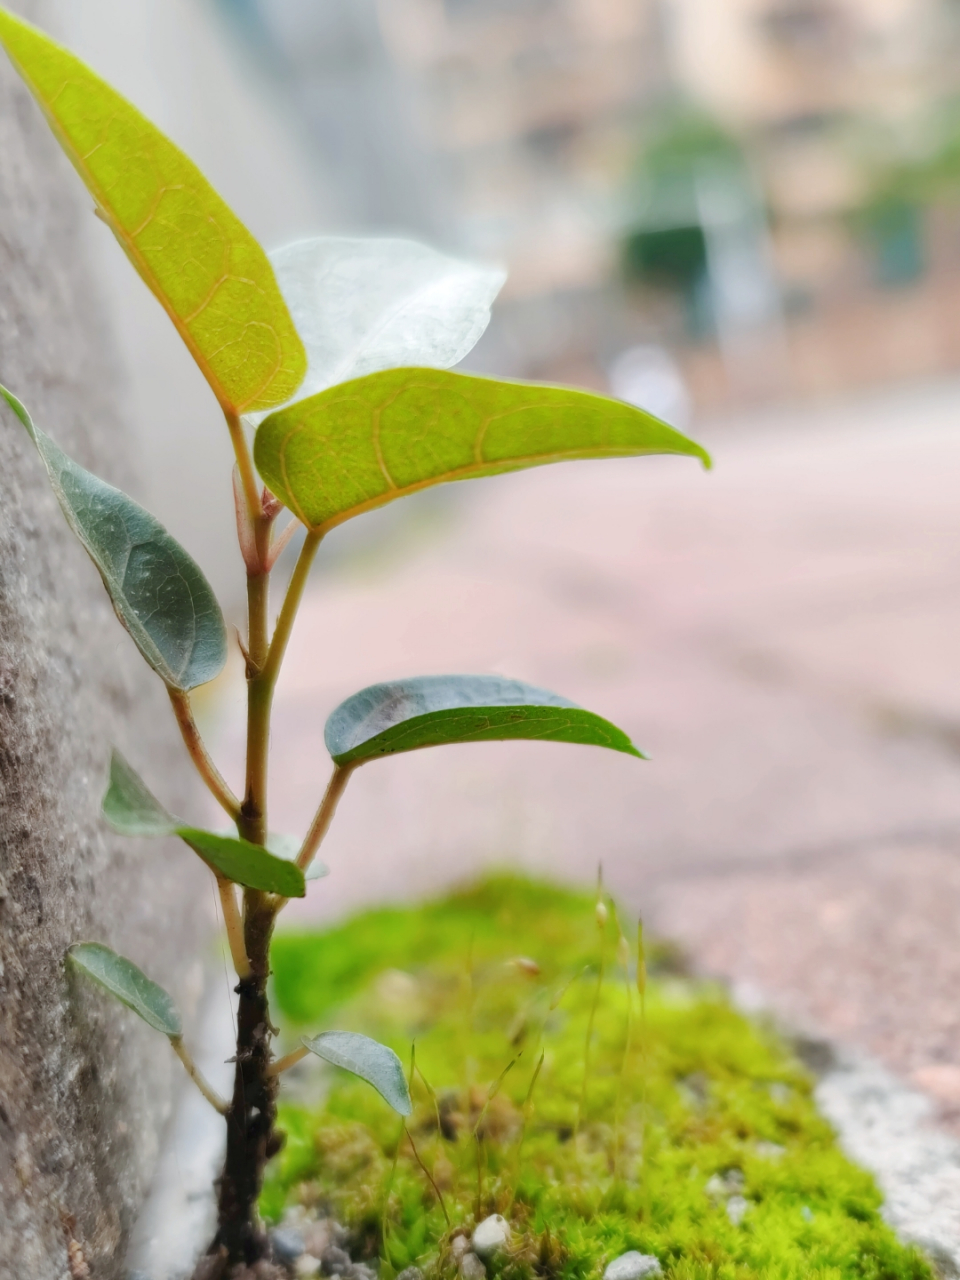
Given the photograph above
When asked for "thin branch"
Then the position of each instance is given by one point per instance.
(324, 816)
(234, 927)
(291, 1060)
(291, 603)
(207, 770)
(211, 1095)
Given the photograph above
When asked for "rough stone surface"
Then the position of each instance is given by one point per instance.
(632, 1266)
(84, 1088)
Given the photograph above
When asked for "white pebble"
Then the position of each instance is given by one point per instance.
(490, 1236)
(471, 1268)
(737, 1207)
(632, 1266)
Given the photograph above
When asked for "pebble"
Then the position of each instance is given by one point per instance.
(490, 1236)
(335, 1261)
(737, 1207)
(459, 1246)
(287, 1243)
(307, 1265)
(410, 1273)
(471, 1268)
(729, 1183)
(632, 1266)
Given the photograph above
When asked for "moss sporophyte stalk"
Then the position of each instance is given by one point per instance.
(327, 420)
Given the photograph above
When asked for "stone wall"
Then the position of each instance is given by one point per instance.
(84, 1087)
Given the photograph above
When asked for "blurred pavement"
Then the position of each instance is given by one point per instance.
(782, 636)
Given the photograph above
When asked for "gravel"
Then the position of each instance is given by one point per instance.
(632, 1266)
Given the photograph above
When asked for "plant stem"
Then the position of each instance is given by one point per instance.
(200, 756)
(263, 668)
(252, 1138)
(290, 1060)
(234, 927)
(324, 815)
(211, 1095)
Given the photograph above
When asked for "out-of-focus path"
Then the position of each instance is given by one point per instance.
(782, 636)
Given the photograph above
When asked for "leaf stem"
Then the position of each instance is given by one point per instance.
(208, 771)
(290, 1060)
(241, 449)
(324, 816)
(291, 603)
(234, 927)
(211, 1095)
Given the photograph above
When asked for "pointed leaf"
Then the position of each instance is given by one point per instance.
(158, 592)
(365, 305)
(130, 808)
(433, 711)
(207, 271)
(369, 1060)
(248, 864)
(130, 985)
(366, 442)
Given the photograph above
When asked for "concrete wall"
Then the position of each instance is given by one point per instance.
(84, 1087)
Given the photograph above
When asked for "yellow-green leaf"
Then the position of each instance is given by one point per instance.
(361, 444)
(208, 272)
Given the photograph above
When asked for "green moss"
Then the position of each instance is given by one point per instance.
(701, 1104)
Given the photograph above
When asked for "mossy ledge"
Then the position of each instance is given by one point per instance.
(675, 1126)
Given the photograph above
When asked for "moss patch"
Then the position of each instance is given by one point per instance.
(688, 1132)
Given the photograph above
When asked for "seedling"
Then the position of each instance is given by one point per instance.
(332, 356)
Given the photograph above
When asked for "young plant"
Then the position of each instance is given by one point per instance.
(334, 355)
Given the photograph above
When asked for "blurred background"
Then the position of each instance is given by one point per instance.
(743, 215)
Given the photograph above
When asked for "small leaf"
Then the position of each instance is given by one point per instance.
(365, 305)
(432, 711)
(159, 593)
(369, 1060)
(205, 268)
(129, 984)
(248, 864)
(130, 808)
(367, 442)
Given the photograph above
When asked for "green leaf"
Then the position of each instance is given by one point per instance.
(129, 984)
(369, 1060)
(366, 442)
(365, 305)
(207, 271)
(159, 593)
(433, 711)
(245, 863)
(131, 809)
